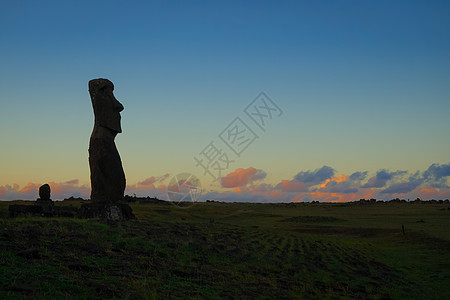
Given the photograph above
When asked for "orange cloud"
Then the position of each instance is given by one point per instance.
(334, 189)
(292, 186)
(241, 177)
(240, 190)
(319, 195)
(341, 178)
(30, 187)
(427, 192)
(298, 198)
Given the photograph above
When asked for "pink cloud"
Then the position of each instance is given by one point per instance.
(152, 180)
(59, 191)
(148, 181)
(425, 193)
(241, 177)
(75, 181)
(292, 186)
(159, 192)
(153, 186)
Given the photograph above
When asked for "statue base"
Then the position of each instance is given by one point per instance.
(107, 211)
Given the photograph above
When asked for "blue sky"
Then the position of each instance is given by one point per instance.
(363, 87)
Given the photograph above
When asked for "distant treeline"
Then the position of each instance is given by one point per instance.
(149, 199)
(398, 200)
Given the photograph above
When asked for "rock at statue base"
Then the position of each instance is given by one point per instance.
(109, 211)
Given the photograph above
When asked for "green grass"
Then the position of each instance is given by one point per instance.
(246, 251)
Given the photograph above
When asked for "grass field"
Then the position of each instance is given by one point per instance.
(232, 250)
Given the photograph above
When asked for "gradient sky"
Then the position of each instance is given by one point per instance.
(364, 87)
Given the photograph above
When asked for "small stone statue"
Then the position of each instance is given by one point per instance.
(43, 207)
(44, 192)
(44, 200)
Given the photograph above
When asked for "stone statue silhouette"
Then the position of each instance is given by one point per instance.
(107, 175)
(44, 192)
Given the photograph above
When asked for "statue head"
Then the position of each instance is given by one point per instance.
(106, 107)
(44, 192)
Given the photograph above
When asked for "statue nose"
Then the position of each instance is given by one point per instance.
(118, 106)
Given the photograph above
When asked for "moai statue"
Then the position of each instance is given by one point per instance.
(107, 175)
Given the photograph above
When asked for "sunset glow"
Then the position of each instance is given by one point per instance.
(354, 98)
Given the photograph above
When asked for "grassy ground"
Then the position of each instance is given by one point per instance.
(246, 251)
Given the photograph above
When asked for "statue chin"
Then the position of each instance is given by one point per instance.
(105, 132)
(116, 128)
(110, 120)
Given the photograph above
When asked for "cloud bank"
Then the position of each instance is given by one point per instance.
(323, 184)
(247, 184)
